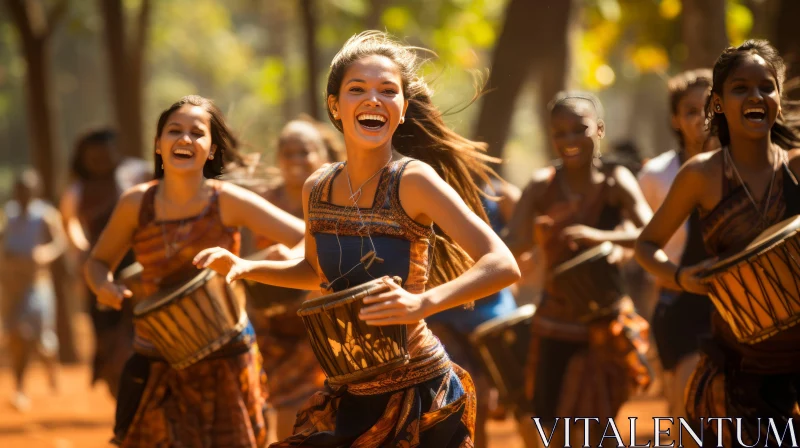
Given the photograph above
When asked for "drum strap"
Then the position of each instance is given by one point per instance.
(432, 364)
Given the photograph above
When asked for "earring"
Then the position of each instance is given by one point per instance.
(335, 116)
(158, 151)
(718, 108)
(211, 157)
(402, 120)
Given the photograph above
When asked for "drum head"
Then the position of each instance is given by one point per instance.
(130, 272)
(763, 241)
(345, 296)
(600, 251)
(162, 298)
(499, 323)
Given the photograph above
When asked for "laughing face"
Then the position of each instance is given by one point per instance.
(370, 104)
(185, 142)
(301, 151)
(575, 131)
(750, 99)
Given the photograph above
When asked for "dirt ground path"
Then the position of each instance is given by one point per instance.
(80, 416)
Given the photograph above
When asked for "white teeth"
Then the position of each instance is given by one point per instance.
(183, 152)
(571, 151)
(371, 117)
(755, 109)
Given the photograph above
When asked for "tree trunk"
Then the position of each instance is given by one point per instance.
(125, 59)
(551, 65)
(704, 33)
(526, 22)
(511, 64)
(309, 15)
(35, 28)
(787, 37)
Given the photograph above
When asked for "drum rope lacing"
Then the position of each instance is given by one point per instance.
(762, 213)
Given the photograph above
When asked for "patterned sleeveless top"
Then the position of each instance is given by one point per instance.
(727, 229)
(165, 249)
(343, 239)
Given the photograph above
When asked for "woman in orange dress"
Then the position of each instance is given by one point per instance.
(219, 400)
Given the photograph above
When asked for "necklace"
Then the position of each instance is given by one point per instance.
(762, 213)
(363, 184)
(171, 245)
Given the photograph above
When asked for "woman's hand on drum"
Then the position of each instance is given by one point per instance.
(582, 236)
(690, 277)
(222, 262)
(393, 307)
(111, 295)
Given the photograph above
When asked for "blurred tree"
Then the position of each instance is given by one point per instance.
(787, 37)
(35, 26)
(704, 31)
(535, 35)
(125, 62)
(309, 15)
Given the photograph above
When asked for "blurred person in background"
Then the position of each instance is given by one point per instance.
(32, 239)
(579, 365)
(99, 178)
(680, 318)
(453, 327)
(304, 145)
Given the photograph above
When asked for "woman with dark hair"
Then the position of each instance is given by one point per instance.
(86, 207)
(738, 191)
(580, 363)
(394, 207)
(218, 400)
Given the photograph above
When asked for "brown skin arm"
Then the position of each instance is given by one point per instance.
(298, 273)
(111, 247)
(692, 188)
(518, 235)
(243, 208)
(427, 198)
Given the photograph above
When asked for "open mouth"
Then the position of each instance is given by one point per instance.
(182, 154)
(757, 114)
(571, 152)
(371, 122)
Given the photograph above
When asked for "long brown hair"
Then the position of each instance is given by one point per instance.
(785, 131)
(221, 135)
(424, 136)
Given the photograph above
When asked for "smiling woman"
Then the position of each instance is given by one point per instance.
(394, 208)
(738, 191)
(213, 393)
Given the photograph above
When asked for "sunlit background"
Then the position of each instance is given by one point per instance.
(253, 57)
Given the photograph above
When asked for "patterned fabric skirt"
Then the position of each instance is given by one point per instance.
(716, 391)
(219, 402)
(593, 374)
(439, 412)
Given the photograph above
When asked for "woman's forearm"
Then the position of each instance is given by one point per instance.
(489, 274)
(623, 237)
(97, 273)
(654, 260)
(296, 273)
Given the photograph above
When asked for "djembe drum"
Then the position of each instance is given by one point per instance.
(192, 320)
(757, 291)
(503, 343)
(349, 350)
(591, 284)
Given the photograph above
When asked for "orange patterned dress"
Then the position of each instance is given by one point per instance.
(219, 401)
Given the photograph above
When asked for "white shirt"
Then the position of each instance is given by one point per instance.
(655, 178)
